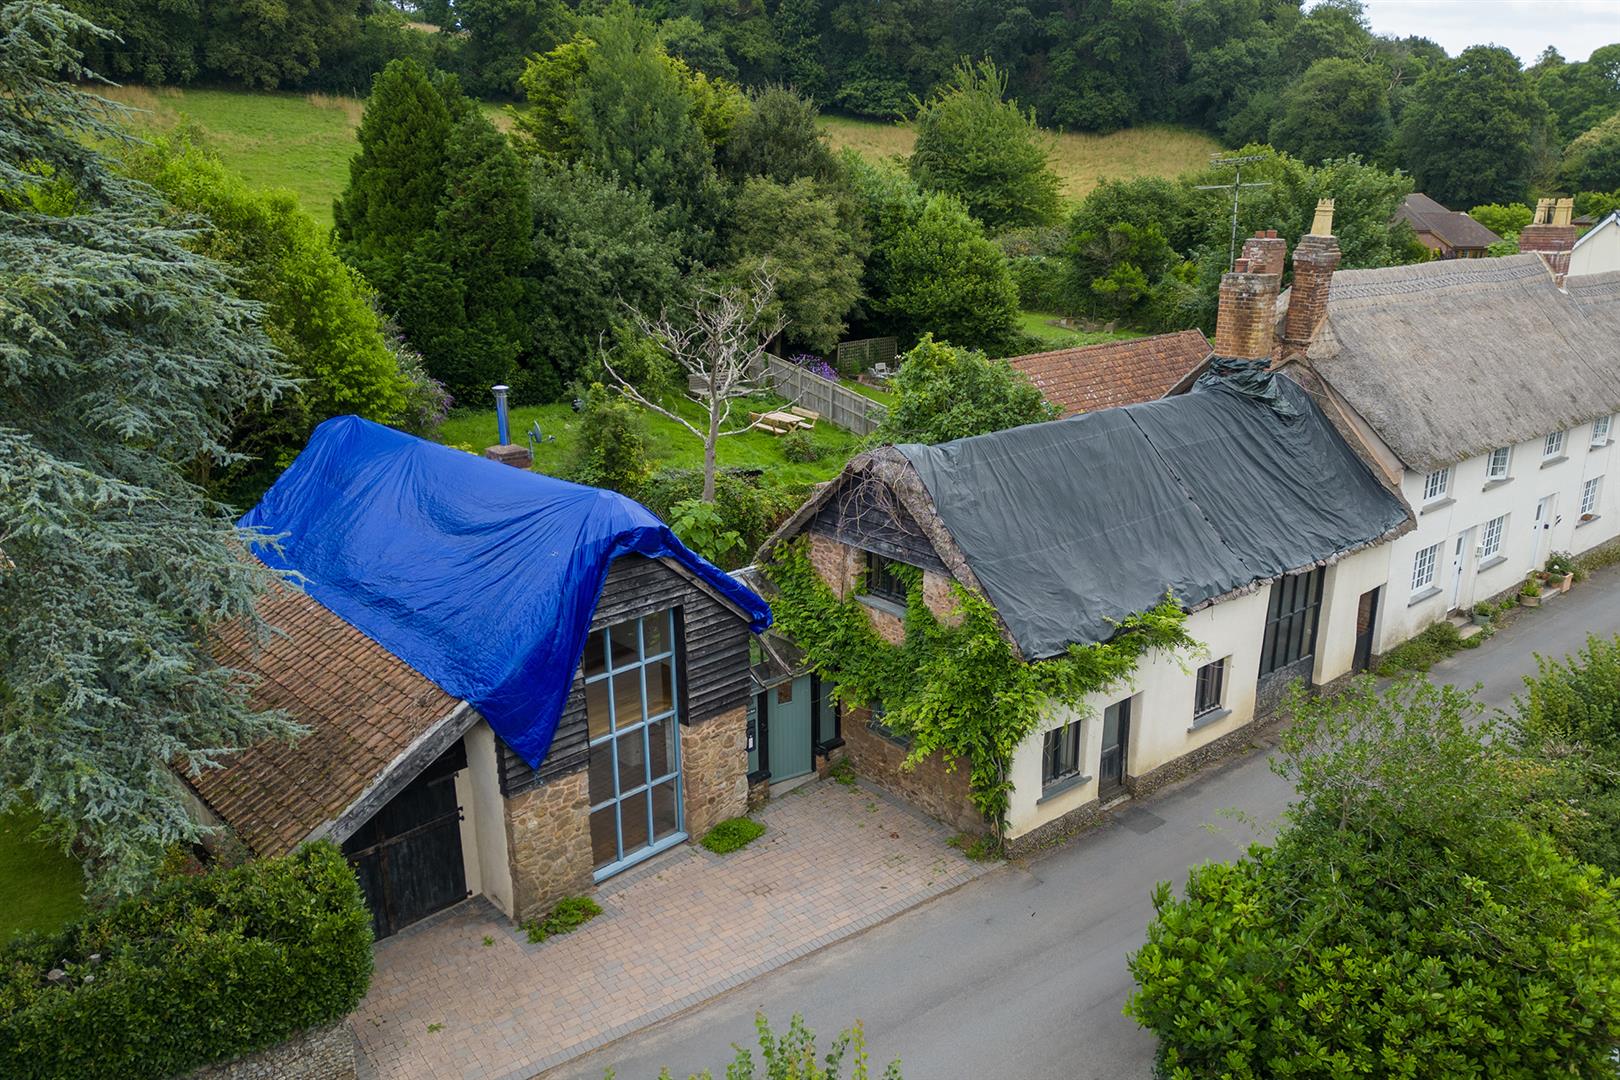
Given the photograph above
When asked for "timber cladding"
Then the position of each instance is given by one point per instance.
(712, 644)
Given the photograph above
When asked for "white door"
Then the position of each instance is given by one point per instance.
(1461, 556)
(1546, 518)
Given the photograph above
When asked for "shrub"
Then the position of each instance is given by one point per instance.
(567, 915)
(801, 447)
(750, 509)
(1042, 282)
(701, 527)
(1423, 651)
(733, 834)
(792, 1056)
(944, 392)
(198, 970)
(1531, 587)
(612, 450)
(1560, 563)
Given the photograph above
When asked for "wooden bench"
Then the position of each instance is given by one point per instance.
(807, 416)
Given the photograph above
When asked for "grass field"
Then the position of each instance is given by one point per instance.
(1043, 326)
(672, 446)
(304, 141)
(39, 886)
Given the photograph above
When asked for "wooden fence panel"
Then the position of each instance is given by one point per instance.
(854, 357)
(837, 404)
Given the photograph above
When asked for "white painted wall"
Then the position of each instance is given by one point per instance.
(1470, 502)
(483, 830)
(1342, 587)
(1599, 250)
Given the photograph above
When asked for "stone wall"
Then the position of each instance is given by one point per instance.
(837, 563)
(1057, 830)
(1235, 741)
(327, 1053)
(926, 786)
(714, 767)
(548, 835)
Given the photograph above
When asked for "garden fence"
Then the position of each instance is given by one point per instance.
(837, 404)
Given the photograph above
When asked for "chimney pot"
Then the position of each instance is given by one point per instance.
(1240, 266)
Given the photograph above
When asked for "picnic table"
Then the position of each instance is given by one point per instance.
(782, 421)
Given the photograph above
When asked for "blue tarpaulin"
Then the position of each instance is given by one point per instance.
(480, 576)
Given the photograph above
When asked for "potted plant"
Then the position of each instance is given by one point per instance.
(1561, 570)
(1483, 613)
(1530, 592)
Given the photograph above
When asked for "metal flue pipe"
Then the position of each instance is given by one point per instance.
(502, 423)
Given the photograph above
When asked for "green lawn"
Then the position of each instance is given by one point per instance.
(40, 888)
(882, 397)
(672, 445)
(1042, 325)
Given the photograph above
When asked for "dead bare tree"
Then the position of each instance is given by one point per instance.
(719, 341)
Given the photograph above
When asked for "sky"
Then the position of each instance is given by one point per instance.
(1573, 27)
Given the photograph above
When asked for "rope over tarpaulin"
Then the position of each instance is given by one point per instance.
(480, 576)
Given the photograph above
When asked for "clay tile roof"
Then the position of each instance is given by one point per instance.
(1114, 373)
(363, 707)
(1457, 229)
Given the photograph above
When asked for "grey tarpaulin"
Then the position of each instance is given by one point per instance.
(1074, 523)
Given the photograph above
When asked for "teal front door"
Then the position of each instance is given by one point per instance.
(790, 716)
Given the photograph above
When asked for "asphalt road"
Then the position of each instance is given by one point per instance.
(1022, 972)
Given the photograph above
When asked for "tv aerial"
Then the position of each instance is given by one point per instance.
(1237, 185)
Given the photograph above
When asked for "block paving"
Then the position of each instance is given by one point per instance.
(679, 929)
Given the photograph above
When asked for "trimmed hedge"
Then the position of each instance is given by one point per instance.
(199, 970)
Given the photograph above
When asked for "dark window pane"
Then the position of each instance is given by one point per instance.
(627, 699)
(660, 687)
(665, 818)
(604, 837)
(601, 778)
(655, 634)
(661, 746)
(633, 820)
(595, 661)
(623, 645)
(632, 759)
(596, 709)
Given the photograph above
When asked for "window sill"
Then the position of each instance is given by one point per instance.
(1491, 563)
(1588, 520)
(879, 603)
(1428, 593)
(1059, 787)
(1491, 485)
(1547, 463)
(1604, 445)
(1203, 720)
(1437, 504)
(825, 748)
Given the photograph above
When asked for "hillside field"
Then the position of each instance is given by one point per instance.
(304, 141)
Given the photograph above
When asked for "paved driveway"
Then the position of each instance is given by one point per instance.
(466, 995)
(1022, 974)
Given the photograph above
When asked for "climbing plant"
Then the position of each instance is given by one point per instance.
(957, 688)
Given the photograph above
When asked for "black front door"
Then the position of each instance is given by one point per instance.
(408, 856)
(1115, 743)
(1366, 619)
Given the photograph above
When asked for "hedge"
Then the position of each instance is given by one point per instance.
(199, 970)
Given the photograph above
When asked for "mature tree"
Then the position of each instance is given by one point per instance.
(987, 151)
(1581, 94)
(719, 343)
(931, 268)
(779, 138)
(270, 45)
(318, 311)
(1505, 221)
(463, 303)
(124, 358)
(809, 246)
(397, 179)
(944, 392)
(1472, 129)
(1126, 271)
(1592, 162)
(500, 34)
(1338, 108)
(1413, 918)
(599, 249)
(1106, 66)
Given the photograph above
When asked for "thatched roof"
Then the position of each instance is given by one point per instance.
(1446, 360)
(1598, 298)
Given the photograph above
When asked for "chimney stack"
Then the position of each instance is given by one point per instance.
(520, 457)
(1248, 299)
(1315, 259)
(1552, 235)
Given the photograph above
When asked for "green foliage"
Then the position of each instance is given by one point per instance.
(931, 268)
(811, 247)
(1504, 221)
(1597, 204)
(978, 848)
(1422, 652)
(944, 393)
(499, 35)
(799, 446)
(1531, 587)
(317, 311)
(703, 527)
(749, 509)
(1413, 918)
(1580, 94)
(125, 359)
(733, 834)
(1592, 161)
(987, 151)
(792, 1056)
(200, 969)
(1470, 129)
(1560, 563)
(566, 915)
(778, 138)
(957, 689)
(1337, 108)
(612, 451)
(1126, 271)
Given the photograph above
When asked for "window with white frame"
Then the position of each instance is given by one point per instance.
(1553, 445)
(1490, 537)
(1423, 568)
(1589, 495)
(1600, 430)
(1496, 466)
(1435, 484)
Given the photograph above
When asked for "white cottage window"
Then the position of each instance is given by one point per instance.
(1435, 484)
(1496, 466)
(1490, 538)
(1553, 445)
(1589, 495)
(1423, 567)
(1600, 430)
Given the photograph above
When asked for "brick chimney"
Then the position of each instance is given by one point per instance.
(1552, 235)
(1248, 299)
(1315, 259)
